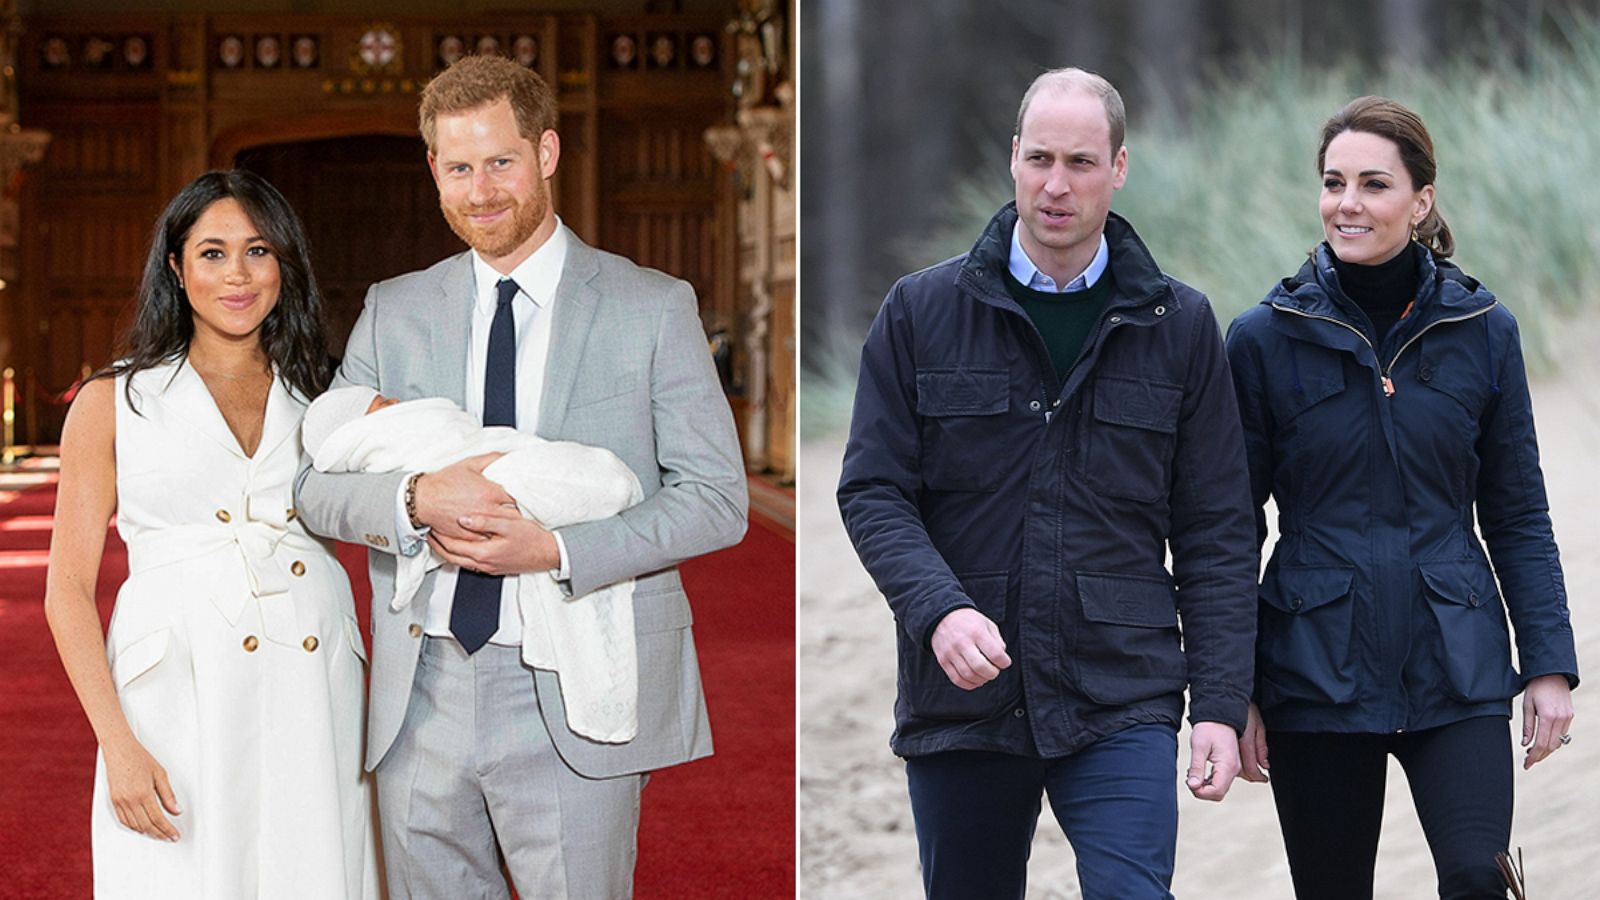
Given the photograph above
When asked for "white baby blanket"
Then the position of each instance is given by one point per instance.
(588, 641)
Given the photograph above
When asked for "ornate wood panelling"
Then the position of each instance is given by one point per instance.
(676, 241)
(96, 241)
(663, 203)
(98, 148)
(661, 153)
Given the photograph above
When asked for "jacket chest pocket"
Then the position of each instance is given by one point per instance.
(1452, 370)
(961, 411)
(1303, 376)
(1130, 437)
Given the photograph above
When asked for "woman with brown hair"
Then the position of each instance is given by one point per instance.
(1385, 406)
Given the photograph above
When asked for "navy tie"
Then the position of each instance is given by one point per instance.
(475, 613)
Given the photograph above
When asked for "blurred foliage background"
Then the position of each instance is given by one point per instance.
(907, 111)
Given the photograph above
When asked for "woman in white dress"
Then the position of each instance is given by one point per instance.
(227, 695)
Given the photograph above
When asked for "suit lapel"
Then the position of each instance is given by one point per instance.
(451, 330)
(282, 417)
(575, 304)
(184, 394)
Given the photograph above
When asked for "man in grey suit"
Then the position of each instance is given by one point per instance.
(531, 328)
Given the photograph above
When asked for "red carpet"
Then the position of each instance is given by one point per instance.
(722, 827)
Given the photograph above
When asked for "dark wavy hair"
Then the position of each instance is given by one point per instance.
(1388, 119)
(163, 323)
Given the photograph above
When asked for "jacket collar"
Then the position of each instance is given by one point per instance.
(177, 386)
(1137, 279)
(1443, 291)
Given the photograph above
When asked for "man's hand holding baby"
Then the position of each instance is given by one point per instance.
(475, 524)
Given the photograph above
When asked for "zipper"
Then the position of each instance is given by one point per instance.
(1388, 386)
(1388, 383)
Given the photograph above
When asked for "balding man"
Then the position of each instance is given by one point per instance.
(1037, 423)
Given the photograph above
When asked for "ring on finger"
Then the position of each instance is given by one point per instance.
(1565, 739)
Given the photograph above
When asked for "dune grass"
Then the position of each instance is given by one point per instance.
(1227, 198)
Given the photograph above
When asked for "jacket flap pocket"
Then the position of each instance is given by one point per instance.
(608, 385)
(1137, 403)
(987, 591)
(963, 392)
(352, 633)
(139, 656)
(1315, 373)
(1463, 582)
(1301, 589)
(1128, 600)
(660, 610)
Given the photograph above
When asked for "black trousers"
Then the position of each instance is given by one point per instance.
(1329, 792)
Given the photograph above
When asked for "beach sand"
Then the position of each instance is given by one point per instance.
(856, 833)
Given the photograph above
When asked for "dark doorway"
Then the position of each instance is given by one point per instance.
(370, 210)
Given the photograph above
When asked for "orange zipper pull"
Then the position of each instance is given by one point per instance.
(1388, 387)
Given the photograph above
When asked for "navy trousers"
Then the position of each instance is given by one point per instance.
(1117, 801)
(1329, 791)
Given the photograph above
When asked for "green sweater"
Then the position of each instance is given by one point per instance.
(1063, 320)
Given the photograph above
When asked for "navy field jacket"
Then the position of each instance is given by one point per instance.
(1379, 610)
(973, 478)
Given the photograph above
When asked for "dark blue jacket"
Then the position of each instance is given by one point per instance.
(1379, 610)
(972, 478)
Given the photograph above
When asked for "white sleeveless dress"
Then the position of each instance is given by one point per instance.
(237, 659)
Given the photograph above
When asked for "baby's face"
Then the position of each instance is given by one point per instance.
(379, 402)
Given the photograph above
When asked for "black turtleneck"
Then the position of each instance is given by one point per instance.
(1382, 291)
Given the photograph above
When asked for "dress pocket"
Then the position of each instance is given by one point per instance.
(928, 691)
(138, 656)
(1129, 648)
(1130, 439)
(1475, 646)
(960, 409)
(1303, 647)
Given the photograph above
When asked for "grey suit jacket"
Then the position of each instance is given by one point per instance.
(628, 370)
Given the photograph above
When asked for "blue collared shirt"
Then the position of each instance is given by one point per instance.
(1025, 272)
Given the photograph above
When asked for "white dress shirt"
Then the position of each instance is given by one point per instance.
(532, 311)
(1024, 271)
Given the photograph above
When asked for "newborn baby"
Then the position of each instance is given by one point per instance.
(587, 640)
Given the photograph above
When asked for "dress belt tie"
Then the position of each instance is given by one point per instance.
(256, 536)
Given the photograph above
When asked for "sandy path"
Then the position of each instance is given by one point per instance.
(856, 833)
